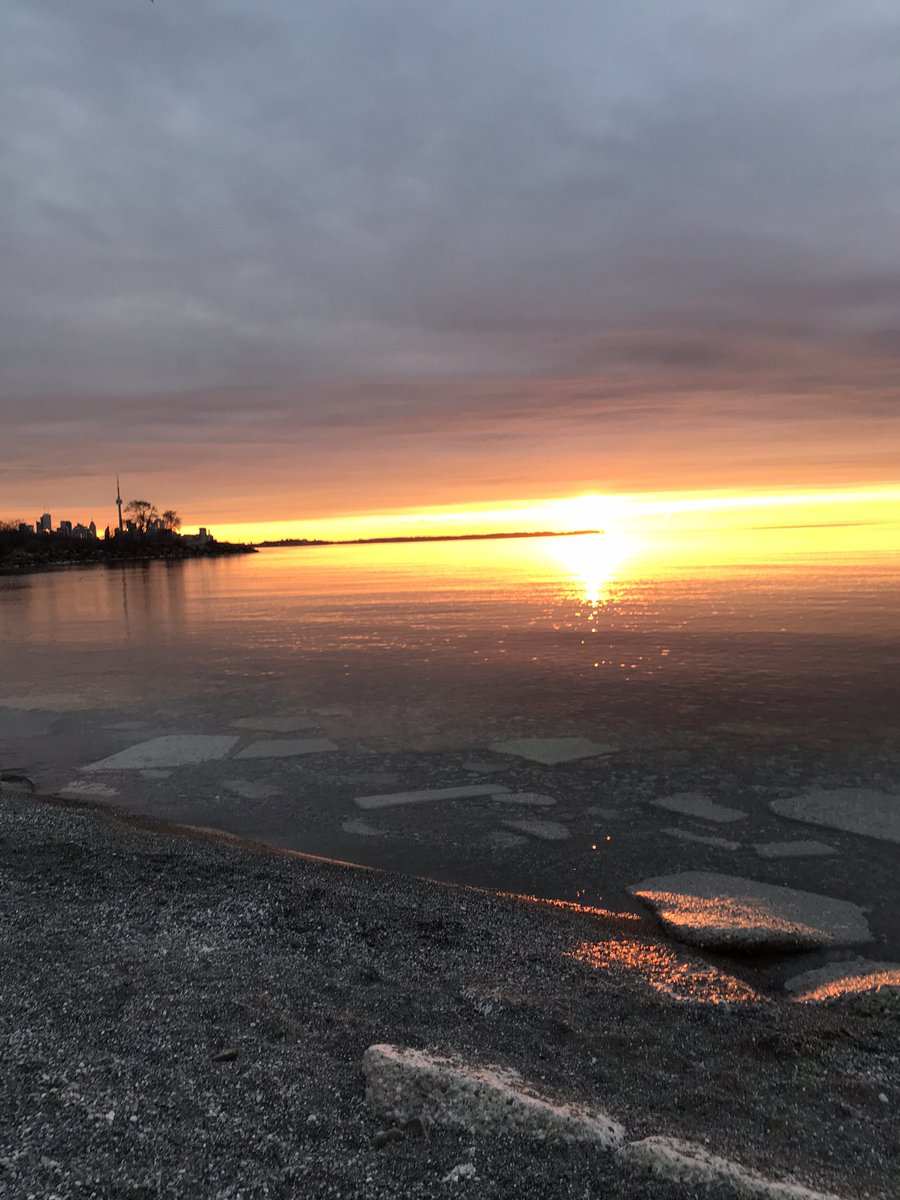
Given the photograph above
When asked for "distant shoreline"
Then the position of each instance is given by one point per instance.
(433, 537)
(42, 555)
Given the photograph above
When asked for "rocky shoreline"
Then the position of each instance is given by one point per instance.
(187, 1015)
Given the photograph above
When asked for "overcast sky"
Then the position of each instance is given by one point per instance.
(302, 257)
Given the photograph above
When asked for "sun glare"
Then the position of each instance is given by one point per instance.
(873, 512)
(593, 562)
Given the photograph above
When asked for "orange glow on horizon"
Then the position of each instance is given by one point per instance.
(757, 524)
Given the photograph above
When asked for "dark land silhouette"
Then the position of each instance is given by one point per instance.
(434, 537)
(26, 551)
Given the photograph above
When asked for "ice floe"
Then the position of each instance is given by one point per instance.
(687, 835)
(707, 909)
(527, 799)
(293, 724)
(553, 750)
(361, 828)
(250, 789)
(88, 787)
(177, 750)
(287, 748)
(477, 767)
(48, 702)
(545, 831)
(695, 804)
(855, 810)
(504, 839)
(793, 849)
(427, 796)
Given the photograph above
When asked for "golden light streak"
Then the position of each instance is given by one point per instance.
(668, 517)
(676, 976)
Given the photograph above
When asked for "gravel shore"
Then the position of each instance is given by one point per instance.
(185, 1016)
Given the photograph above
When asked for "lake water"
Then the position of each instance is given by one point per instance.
(745, 681)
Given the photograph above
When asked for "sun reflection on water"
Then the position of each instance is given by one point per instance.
(593, 562)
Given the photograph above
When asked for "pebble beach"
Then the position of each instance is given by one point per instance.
(185, 1014)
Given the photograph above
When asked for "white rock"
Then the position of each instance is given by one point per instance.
(287, 748)
(402, 1084)
(855, 810)
(545, 831)
(275, 724)
(460, 1171)
(706, 909)
(856, 981)
(177, 750)
(694, 804)
(528, 799)
(686, 835)
(685, 1162)
(793, 849)
(553, 750)
(427, 796)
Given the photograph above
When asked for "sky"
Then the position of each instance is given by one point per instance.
(282, 265)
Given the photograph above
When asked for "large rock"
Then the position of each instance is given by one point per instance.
(855, 810)
(856, 981)
(688, 1163)
(724, 911)
(403, 1084)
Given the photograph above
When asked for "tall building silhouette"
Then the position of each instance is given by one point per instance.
(119, 504)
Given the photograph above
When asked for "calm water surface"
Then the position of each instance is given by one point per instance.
(772, 671)
(438, 637)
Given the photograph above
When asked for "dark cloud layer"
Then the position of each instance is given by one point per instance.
(343, 239)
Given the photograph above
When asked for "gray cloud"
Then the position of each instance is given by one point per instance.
(246, 220)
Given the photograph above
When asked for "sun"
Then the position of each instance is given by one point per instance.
(591, 511)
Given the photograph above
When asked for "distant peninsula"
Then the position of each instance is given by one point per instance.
(434, 537)
(24, 552)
